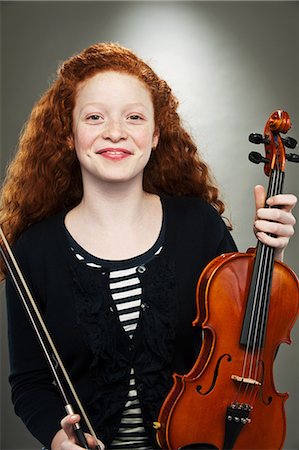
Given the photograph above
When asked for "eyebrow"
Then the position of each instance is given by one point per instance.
(103, 105)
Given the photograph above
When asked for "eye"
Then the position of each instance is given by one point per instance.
(135, 117)
(94, 118)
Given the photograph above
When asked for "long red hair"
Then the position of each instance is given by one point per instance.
(45, 176)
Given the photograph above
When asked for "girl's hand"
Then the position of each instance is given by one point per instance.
(65, 439)
(277, 220)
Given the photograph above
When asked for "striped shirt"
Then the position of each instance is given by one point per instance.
(126, 292)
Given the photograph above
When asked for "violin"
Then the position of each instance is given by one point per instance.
(246, 304)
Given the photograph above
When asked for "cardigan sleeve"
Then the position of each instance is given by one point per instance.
(35, 396)
(227, 243)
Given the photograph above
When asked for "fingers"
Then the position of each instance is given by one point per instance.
(70, 443)
(275, 242)
(286, 202)
(273, 217)
(277, 223)
(67, 424)
(274, 226)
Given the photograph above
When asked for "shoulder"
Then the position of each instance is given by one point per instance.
(40, 250)
(41, 234)
(196, 223)
(192, 209)
(187, 203)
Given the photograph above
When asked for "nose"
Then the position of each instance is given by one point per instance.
(114, 130)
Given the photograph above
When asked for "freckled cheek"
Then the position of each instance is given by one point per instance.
(144, 139)
(83, 140)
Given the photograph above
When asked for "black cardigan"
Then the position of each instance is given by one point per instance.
(80, 315)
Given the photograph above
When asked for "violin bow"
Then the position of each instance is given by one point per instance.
(48, 347)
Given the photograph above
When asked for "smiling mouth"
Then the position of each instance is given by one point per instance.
(114, 153)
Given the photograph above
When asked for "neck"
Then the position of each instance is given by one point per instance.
(117, 223)
(118, 202)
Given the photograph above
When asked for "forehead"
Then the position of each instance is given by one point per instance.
(106, 86)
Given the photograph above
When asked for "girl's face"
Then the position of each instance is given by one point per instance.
(113, 128)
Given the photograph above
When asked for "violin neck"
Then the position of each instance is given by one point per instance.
(275, 183)
(256, 314)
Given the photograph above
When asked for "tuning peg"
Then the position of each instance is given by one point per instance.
(289, 142)
(257, 158)
(292, 157)
(257, 138)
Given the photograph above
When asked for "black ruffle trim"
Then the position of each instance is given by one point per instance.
(111, 352)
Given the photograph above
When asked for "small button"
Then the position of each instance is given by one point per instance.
(111, 309)
(103, 272)
(140, 387)
(141, 269)
(144, 306)
(131, 347)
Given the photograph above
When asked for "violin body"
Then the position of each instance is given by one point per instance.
(197, 409)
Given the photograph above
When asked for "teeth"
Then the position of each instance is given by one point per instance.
(112, 152)
(109, 152)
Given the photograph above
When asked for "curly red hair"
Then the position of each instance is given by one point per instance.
(45, 176)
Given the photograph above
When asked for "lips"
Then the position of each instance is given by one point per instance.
(114, 153)
(112, 150)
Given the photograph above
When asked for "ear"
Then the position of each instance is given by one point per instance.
(156, 136)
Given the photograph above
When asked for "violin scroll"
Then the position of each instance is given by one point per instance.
(275, 155)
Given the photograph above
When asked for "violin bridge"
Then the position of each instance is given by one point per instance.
(245, 380)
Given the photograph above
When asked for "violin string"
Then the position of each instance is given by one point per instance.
(264, 291)
(264, 303)
(260, 301)
(11, 259)
(266, 263)
(247, 358)
(275, 189)
(260, 297)
(264, 266)
(257, 327)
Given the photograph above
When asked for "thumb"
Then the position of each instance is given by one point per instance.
(260, 196)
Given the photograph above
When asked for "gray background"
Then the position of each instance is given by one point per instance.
(230, 63)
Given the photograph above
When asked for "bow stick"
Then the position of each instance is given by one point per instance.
(45, 340)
